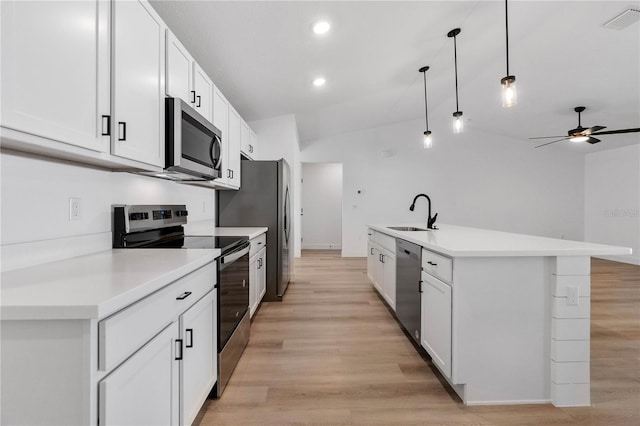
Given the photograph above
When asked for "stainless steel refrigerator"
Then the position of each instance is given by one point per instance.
(263, 200)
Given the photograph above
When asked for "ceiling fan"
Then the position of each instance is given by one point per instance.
(584, 134)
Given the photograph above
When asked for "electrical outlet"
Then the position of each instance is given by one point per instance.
(74, 208)
(573, 296)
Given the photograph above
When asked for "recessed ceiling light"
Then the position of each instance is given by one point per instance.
(320, 81)
(321, 27)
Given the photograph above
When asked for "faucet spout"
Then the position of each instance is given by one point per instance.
(430, 220)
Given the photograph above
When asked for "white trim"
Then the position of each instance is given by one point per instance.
(321, 246)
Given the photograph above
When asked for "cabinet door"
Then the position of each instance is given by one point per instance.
(253, 143)
(262, 275)
(235, 139)
(436, 321)
(198, 369)
(138, 82)
(221, 121)
(142, 390)
(389, 278)
(378, 270)
(203, 87)
(179, 71)
(371, 262)
(253, 284)
(55, 70)
(245, 142)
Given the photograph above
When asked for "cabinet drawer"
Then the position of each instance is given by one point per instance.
(124, 332)
(386, 241)
(257, 244)
(191, 288)
(438, 266)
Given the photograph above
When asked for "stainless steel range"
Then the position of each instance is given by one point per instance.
(161, 226)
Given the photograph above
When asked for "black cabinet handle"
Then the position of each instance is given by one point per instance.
(122, 130)
(420, 286)
(193, 96)
(432, 264)
(372, 252)
(198, 98)
(189, 335)
(178, 349)
(184, 295)
(108, 131)
(250, 148)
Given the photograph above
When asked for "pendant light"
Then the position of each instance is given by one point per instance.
(458, 124)
(427, 140)
(509, 94)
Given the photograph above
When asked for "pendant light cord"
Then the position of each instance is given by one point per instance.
(455, 61)
(506, 26)
(426, 108)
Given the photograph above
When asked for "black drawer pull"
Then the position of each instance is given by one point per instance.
(432, 264)
(193, 96)
(198, 98)
(108, 131)
(184, 295)
(189, 335)
(123, 134)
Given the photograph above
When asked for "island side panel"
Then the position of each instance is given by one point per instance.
(501, 329)
(570, 331)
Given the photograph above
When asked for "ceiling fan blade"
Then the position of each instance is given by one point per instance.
(549, 143)
(548, 137)
(593, 140)
(615, 132)
(593, 129)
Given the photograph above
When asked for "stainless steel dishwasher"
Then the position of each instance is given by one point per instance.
(408, 268)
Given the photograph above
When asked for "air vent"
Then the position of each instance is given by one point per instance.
(623, 20)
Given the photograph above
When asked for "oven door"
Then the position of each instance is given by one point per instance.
(233, 288)
(193, 144)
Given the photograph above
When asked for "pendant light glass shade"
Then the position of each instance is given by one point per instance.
(427, 140)
(458, 124)
(509, 93)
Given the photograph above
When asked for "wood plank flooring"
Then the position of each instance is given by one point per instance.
(331, 353)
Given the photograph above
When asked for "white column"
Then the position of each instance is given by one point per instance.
(570, 331)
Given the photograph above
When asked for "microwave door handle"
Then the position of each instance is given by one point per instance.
(215, 161)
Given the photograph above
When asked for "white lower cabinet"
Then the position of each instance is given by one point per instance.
(381, 270)
(389, 283)
(257, 272)
(141, 391)
(436, 321)
(199, 364)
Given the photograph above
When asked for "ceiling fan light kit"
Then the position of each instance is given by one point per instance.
(509, 93)
(427, 140)
(458, 123)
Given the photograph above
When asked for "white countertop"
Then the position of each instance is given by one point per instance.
(96, 285)
(207, 228)
(460, 241)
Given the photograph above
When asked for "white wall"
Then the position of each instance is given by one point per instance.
(36, 191)
(612, 199)
(474, 179)
(322, 206)
(278, 138)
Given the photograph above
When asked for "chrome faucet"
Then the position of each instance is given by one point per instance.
(430, 220)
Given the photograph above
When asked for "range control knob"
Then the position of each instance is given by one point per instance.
(180, 213)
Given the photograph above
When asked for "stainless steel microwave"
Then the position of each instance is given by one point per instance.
(193, 150)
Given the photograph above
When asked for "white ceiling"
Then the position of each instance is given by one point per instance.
(263, 56)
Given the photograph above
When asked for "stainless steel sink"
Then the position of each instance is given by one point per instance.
(406, 228)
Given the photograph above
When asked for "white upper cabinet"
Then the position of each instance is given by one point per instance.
(55, 71)
(179, 70)
(138, 81)
(248, 141)
(186, 80)
(233, 149)
(202, 92)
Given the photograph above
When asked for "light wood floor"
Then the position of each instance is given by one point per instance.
(331, 353)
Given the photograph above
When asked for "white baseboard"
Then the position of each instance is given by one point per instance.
(23, 255)
(321, 246)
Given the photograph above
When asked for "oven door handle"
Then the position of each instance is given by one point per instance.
(232, 257)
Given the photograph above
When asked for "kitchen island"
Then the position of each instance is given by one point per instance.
(505, 317)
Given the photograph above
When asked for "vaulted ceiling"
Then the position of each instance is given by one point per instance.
(264, 56)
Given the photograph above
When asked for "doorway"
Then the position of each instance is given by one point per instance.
(321, 207)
